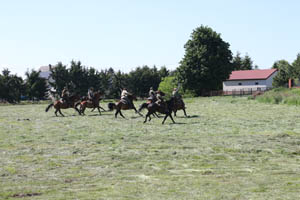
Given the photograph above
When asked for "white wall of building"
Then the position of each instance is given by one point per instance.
(248, 84)
(270, 79)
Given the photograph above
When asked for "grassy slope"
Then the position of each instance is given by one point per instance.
(281, 96)
(230, 148)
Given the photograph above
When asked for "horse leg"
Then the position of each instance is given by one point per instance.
(116, 114)
(98, 110)
(77, 110)
(171, 118)
(121, 114)
(148, 115)
(60, 112)
(56, 112)
(137, 111)
(184, 112)
(165, 118)
(175, 113)
(82, 108)
(102, 108)
(92, 109)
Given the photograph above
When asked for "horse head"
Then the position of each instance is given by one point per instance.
(132, 97)
(74, 98)
(97, 95)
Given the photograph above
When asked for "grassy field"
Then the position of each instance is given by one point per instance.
(229, 148)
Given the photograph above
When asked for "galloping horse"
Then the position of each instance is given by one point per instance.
(60, 105)
(179, 105)
(85, 103)
(149, 101)
(121, 105)
(164, 109)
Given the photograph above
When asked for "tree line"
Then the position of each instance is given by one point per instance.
(78, 79)
(286, 71)
(207, 62)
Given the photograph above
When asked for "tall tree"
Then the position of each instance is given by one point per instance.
(247, 63)
(78, 77)
(296, 66)
(36, 86)
(285, 72)
(163, 72)
(11, 87)
(242, 63)
(60, 76)
(142, 78)
(237, 61)
(206, 63)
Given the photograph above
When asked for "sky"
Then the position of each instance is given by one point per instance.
(125, 34)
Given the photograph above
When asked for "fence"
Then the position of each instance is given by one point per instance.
(241, 92)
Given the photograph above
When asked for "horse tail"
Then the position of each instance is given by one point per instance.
(48, 107)
(111, 106)
(142, 106)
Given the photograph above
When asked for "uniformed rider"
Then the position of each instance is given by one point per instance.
(91, 95)
(124, 97)
(152, 95)
(65, 95)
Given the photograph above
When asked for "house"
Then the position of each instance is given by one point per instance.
(249, 80)
(45, 71)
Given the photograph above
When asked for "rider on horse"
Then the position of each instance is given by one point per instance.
(160, 101)
(152, 96)
(124, 97)
(65, 94)
(91, 95)
(176, 95)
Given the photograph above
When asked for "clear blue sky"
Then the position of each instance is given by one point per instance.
(130, 33)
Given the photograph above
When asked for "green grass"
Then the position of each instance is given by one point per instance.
(229, 148)
(281, 96)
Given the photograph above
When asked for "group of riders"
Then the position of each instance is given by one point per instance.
(65, 95)
(154, 96)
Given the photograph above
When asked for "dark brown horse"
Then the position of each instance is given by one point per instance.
(85, 103)
(60, 105)
(121, 105)
(165, 108)
(179, 105)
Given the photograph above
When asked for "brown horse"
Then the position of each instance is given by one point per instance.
(60, 105)
(179, 105)
(165, 108)
(121, 105)
(85, 103)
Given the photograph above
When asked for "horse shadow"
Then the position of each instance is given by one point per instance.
(189, 116)
(178, 123)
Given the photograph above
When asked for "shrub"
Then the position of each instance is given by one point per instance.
(281, 95)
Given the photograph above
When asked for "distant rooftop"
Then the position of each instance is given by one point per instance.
(44, 68)
(45, 71)
(260, 74)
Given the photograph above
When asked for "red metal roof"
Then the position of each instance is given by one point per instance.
(251, 74)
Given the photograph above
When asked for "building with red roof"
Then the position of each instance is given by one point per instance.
(260, 79)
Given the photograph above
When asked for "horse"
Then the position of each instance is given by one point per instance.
(150, 100)
(121, 105)
(64, 105)
(85, 103)
(164, 109)
(178, 105)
